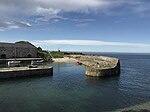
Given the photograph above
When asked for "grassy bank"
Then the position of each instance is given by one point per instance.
(45, 55)
(57, 54)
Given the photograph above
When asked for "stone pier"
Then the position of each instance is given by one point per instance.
(25, 71)
(23, 60)
(98, 66)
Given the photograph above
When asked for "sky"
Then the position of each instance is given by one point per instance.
(78, 25)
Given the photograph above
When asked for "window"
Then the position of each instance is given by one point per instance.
(3, 56)
(29, 56)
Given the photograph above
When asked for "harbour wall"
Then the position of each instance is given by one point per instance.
(99, 66)
(25, 71)
(23, 60)
(104, 72)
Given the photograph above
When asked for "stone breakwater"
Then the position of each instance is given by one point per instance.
(25, 71)
(98, 66)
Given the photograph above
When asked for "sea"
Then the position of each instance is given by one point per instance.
(70, 90)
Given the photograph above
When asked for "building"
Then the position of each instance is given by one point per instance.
(18, 50)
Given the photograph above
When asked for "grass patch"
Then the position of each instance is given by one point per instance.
(45, 55)
(57, 54)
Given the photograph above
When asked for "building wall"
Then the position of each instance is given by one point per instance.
(7, 49)
(26, 52)
(17, 50)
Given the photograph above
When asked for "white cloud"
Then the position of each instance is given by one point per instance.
(56, 20)
(83, 20)
(52, 11)
(87, 42)
(73, 5)
(13, 25)
(47, 13)
(44, 10)
(82, 25)
(2, 30)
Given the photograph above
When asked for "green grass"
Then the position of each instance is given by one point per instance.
(57, 54)
(45, 55)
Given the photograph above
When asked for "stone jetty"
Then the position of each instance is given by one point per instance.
(23, 60)
(98, 66)
(25, 71)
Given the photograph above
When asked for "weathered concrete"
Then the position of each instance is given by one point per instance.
(25, 71)
(23, 60)
(99, 65)
(110, 71)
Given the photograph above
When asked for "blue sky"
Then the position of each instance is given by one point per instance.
(78, 25)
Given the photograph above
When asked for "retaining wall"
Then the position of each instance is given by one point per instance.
(99, 65)
(92, 71)
(24, 71)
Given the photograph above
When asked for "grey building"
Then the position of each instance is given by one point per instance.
(18, 50)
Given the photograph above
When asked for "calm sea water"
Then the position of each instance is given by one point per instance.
(69, 90)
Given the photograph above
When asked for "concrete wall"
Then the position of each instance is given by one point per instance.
(99, 65)
(92, 71)
(25, 52)
(26, 72)
(8, 50)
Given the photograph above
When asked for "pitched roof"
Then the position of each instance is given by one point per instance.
(18, 44)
